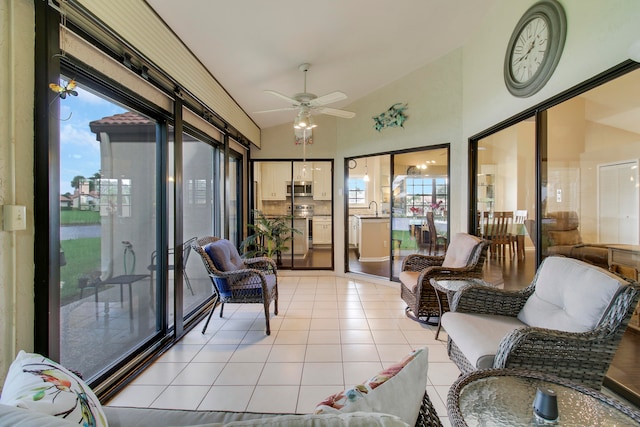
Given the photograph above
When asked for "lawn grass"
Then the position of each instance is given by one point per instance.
(75, 216)
(82, 257)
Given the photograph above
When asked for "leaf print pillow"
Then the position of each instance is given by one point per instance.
(39, 384)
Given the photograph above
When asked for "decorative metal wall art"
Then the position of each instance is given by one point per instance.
(393, 117)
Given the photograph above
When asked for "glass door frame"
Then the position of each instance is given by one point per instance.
(347, 161)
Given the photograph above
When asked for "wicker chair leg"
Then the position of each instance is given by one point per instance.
(213, 307)
(411, 315)
(221, 308)
(266, 316)
(275, 302)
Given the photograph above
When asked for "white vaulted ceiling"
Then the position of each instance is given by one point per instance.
(355, 46)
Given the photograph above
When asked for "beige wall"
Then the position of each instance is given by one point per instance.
(449, 100)
(16, 177)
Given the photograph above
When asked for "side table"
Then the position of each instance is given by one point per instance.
(504, 397)
(450, 287)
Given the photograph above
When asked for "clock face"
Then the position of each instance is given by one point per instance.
(530, 50)
(535, 47)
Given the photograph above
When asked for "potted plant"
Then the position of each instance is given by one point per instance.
(269, 237)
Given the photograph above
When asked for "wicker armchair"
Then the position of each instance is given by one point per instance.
(237, 280)
(464, 258)
(568, 322)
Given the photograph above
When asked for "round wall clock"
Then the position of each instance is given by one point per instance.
(352, 164)
(535, 48)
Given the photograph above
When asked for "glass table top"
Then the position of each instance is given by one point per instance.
(508, 401)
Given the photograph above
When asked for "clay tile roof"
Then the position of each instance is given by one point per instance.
(128, 118)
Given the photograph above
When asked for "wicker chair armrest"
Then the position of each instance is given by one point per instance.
(488, 300)
(547, 347)
(261, 263)
(417, 262)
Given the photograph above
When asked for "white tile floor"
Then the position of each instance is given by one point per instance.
(331, 333)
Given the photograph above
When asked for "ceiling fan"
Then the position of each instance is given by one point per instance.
(307, 102)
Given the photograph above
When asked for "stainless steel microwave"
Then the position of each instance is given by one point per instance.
(299, 188)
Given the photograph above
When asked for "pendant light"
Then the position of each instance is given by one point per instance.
(366, 171)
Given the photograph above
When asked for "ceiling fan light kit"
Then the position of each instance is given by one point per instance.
(308, 103)
(304, 120)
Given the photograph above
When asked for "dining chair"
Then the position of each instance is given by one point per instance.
(519, 217)
(435, 239)
(498, 231)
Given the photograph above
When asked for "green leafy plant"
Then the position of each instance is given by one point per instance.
(269, 237)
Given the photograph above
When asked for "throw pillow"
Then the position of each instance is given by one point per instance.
(397, 390)
(39, 384)
(224, 255)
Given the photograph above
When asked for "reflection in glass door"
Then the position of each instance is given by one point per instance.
(107, 231)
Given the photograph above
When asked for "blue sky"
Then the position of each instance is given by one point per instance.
(79, 149)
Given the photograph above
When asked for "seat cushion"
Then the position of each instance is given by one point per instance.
(570, 295)
(410, 279)
(145, 417)
(478, 335)
(224, 255)
(460, 250)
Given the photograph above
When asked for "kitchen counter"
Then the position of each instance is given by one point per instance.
(373, 237)
(370, 216)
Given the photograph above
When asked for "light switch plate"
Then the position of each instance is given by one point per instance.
(14, 217)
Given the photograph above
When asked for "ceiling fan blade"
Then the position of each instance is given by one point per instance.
(328, 99)
(276, 109)
(338, 113)
(283, 96)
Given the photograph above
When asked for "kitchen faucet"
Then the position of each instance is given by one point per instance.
(373, 201)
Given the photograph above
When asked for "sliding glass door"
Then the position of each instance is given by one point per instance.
(108, 225)
(392, 200)
(572, 168)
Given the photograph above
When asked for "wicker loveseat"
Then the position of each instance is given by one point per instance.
(567, 322)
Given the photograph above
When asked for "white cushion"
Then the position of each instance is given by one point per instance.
(460, 250)
(397, 390)
(39, 384)
(478, 335)
(570, 295)
(410, 279)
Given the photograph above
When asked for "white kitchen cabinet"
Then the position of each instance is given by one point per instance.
(322, 230)
(322, 181)
(354, 231)
(302, 171)
(273, 180)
